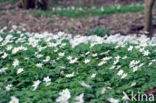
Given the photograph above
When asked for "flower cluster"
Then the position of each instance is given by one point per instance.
(49, 68)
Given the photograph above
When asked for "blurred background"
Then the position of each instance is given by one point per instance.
(84, 17)
(83, 2)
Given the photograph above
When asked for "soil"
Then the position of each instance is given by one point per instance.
(123, 23)
(115, 22)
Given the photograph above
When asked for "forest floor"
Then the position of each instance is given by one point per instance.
(125, 23)
(89, 68)
(115, 22)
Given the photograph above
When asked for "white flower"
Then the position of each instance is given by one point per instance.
(79, 99)
(109, 87)
(130, 48)
(47, 79)
(104, 89)
(124, 75)
(8, 38)
(15, 50)
(62, 45)
(14, 100)
(117, 57)
(141, 65)
(146, 32)
(69, 57)
(119, 66)
(101, 63)
(39, 56)
(120, 72)
(87, 53)
(112, 100)
(94, 55)
(14, 27)
(116, 60)
(4, 55)
(87, 61)
(20, 70)
(125, 57)
(85, 85)
(69, 75)
(150, 63)
(146, 53)
(135, 69)
(15, 63)
(118, 6)
(112, 67)
(64, 96)
(36, 84)
(9, 47)
(106, 58)
(39, 65)
(1, 39)
(55, 50)
(3, 29)
(93, 75)
(47, 59)
(8, 87)
(72, 61)
(61, 54)
(102, 9)
(142, 49)
(3, 69)
(133, 84)
(133, 63)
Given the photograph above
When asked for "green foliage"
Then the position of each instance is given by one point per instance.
(81, 12)
(9, 1)
(99, 32)
(2, 1)
(57, 67)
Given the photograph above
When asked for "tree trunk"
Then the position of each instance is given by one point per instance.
(26, 4)
(90, 3)
(148, 16)
(33, 4)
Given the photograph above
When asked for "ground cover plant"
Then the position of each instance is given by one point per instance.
(83, 11)
(99, 32)
(8, 1)
(48, 68)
